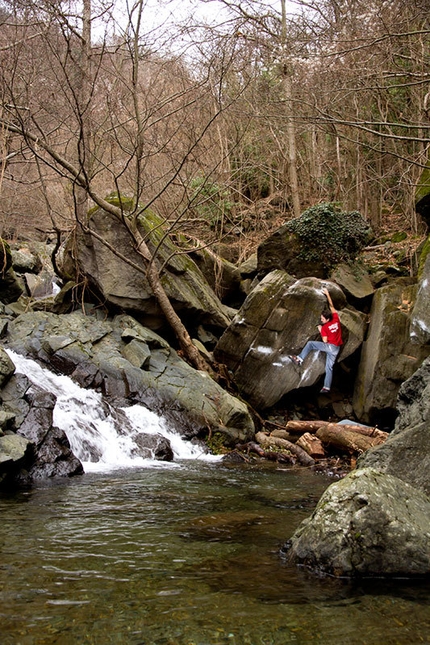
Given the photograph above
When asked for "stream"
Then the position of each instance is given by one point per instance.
(181, 553)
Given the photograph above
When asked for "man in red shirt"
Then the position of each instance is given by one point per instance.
(331, 335)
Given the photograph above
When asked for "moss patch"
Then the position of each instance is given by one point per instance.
(328, 235)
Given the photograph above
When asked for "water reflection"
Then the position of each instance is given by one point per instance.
(186, 556)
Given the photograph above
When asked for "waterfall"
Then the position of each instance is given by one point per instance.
(101, 437)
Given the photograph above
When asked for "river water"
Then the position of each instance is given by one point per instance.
(186, 553)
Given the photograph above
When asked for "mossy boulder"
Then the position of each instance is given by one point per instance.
(115, 272)
(316, 242)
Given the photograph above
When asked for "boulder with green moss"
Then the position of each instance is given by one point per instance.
(315, 243)
(115, 272)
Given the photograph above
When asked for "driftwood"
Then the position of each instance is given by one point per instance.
(336, 435)
(365, 430)
(252, 446)
(283, 434)
(312, 445)
(270, 442)
(306, 441)
(300, 427)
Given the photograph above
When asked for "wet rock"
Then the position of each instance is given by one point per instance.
(95, 352)
(7, 368)
(15, 453)
(154, 446)
(368, 524)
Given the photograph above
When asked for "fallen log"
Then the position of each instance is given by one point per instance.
(312, 445)
(252, 446)
(335, 435)
(365, 430)
(283, 434)
(270, 442)
(300, 427)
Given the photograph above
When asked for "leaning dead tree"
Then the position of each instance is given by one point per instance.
(120, 117)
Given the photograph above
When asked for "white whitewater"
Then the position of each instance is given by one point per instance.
(100, 438)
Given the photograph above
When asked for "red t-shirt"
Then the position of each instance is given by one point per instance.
(332, 330)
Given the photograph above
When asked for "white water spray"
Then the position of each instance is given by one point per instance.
(101, 438)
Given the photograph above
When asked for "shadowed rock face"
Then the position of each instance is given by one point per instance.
(376, 521)
(390, 355)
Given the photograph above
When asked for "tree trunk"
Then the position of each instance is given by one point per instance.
(345, 440)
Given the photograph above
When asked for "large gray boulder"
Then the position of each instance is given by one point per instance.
(420, 320)
(406, 453)
(368, 524)
(131, 364)
(389, 355)
(353, 280)
(124, 285)
(376, 521)
(277, 318)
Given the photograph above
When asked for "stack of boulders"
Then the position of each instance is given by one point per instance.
(376, 521)
(118, 341)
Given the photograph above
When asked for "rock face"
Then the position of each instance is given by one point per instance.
(131, 364)
(406, 453)
(420, 322)
(389, 355)
(276, 320)
(376, 521)
(367, 524)
(31, 446)
(124, 286)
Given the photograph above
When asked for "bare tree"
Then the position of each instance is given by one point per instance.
(92, 143)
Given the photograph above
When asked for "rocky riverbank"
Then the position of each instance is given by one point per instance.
(105, 330)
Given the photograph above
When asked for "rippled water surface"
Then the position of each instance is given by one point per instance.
(183, 555)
